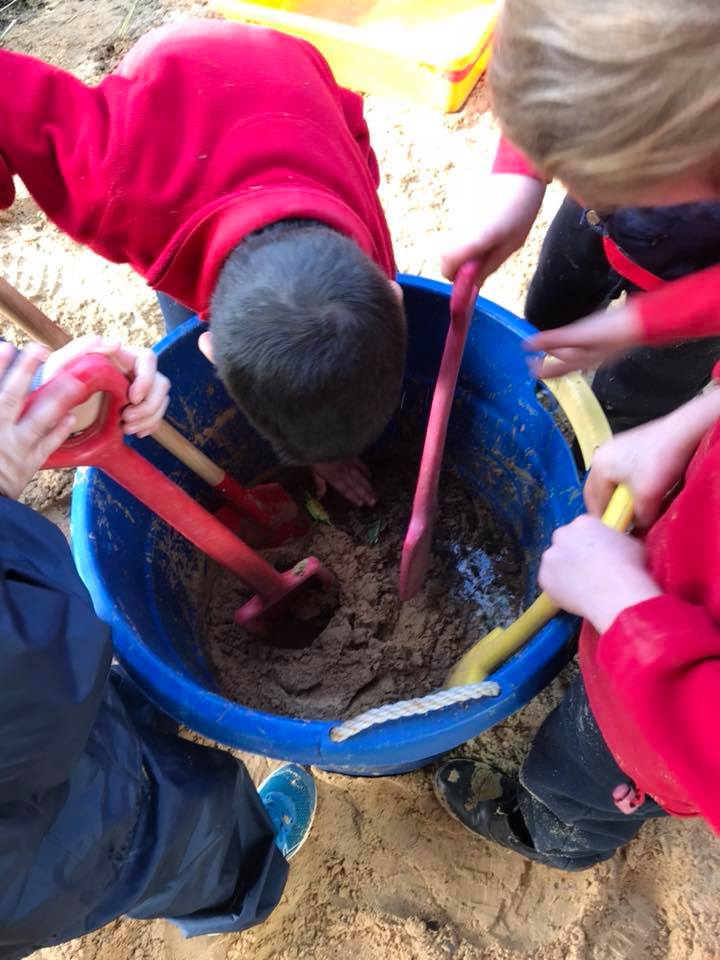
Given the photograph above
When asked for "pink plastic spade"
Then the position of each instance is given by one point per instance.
(415, 557)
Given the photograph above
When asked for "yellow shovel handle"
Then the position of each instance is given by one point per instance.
(500, 644)
(484, 657)
(619, 511)
(591, 428)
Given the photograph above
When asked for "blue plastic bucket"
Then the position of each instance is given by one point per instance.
(500, 437)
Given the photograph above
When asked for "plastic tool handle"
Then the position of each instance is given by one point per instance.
(462, 303)
(415, 556)
(24, 314)
(483, 658)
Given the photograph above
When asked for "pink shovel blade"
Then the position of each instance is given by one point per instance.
(252, 615)
(415, 558)
(264, 515)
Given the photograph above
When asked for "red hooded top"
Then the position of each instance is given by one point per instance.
(207, 131)
(677, 310)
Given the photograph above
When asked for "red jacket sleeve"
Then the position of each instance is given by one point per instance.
(661, 662)
(54, 135)
(682, 309)
(510, 160)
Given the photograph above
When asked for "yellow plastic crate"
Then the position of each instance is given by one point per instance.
(428, 51)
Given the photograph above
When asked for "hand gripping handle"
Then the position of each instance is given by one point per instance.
(97, 442)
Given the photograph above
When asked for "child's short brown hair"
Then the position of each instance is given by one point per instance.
(610, 96)
(309, 338)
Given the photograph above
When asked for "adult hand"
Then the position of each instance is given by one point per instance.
(351, 478)
(148, 393)
(28, 438)
(511, 204)
(595, 572)
(587, 343)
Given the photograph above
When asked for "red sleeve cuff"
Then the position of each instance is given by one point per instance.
(509, 160)
(658, 635)
(683, 309)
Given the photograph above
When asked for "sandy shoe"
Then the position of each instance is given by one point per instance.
(290, 798)
(485, 802)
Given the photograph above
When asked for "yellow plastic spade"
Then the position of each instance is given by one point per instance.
(591, 428)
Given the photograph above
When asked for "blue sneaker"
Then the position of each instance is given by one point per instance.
(290, 798)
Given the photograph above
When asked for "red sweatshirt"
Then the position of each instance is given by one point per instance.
(678, 310)
(207, 131)
(653, 678)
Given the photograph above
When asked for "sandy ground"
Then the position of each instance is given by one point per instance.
(385, 873)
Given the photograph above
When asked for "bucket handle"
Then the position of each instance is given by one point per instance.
(575, 398)
(412, 708)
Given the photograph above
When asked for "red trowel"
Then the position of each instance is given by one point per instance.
(415, 557)
(102, 445)
(264, 515)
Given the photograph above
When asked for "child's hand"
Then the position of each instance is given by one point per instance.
(27, 440)
(148, 393)
(595, 572)
(351, 478)
(587, 343)
(511, 203)
(650, 459)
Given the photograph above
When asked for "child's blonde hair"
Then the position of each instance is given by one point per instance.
(611, 96)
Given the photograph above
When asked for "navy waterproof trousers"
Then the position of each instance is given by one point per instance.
(104, 810)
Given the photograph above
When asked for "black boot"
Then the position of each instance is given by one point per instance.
(485, 802)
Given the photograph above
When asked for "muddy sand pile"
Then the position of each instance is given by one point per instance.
(336, 656)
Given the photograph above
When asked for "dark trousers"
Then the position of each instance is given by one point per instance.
(174, 313)
(203, 835)
(149, 825)
(573, 279)
(566, 793)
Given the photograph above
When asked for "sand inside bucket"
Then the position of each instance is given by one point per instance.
(373, 649)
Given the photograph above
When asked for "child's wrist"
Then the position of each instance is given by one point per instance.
(629, 323)
(694, 419)
(627, 587)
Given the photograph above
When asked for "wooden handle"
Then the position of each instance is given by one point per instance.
(23, 314)
(179, 446)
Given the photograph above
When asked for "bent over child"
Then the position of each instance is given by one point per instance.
(226, 166)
